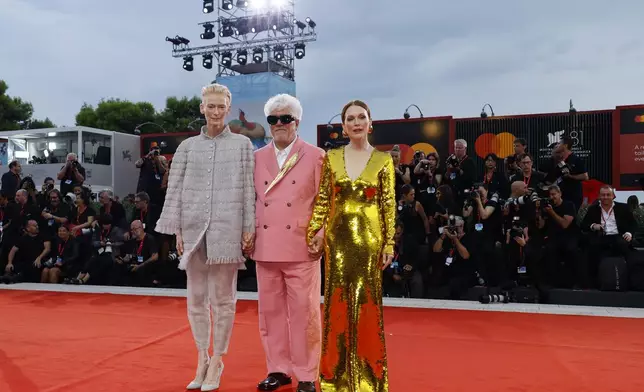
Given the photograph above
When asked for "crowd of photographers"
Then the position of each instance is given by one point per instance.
(509, 226)
(512, 225)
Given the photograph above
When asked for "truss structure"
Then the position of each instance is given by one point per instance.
(248, 38)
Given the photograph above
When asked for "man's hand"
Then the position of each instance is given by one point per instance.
(179, 244)
(628, 237)
(387, 258)
(520, 241)
(126, 236)
(316, 246)
(595, 227)
(8, 268)
(248, 243)
(549, 210)
(37, 263)
(47, 215)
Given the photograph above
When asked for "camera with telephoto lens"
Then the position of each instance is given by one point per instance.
(451, 224)
(75, 164)
(453, 161)
(517, 228)
(563, 168)
(544, 202)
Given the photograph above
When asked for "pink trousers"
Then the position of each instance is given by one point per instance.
(211, 287)
(289, 317)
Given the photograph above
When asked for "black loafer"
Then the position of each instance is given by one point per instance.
(274, 381)
(305, 386)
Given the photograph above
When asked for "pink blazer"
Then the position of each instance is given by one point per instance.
(282, 215)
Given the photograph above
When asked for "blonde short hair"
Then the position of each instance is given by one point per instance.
(216, 88)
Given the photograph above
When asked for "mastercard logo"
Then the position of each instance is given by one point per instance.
(501, 144)
(639, 119)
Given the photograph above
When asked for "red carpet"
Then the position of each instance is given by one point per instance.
(91, 342)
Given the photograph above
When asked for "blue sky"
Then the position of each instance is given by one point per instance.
(449, 58)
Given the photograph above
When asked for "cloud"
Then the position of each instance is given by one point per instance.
(447, 57)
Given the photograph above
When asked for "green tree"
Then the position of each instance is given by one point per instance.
(179, 113)
(39, 124)
(117, 115)
(14, 112)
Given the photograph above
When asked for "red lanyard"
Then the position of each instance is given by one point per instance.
(2, 215)
(138, 252)
(146, 214)
(22, 210)
(488, 178)
(108, 208)
(61, 248)
(526, 180)
(610, 212)
(105, 234)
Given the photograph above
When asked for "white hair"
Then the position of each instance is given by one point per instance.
(460, 141)
(284, 102)
(215, 88)
(72, 155)
(108, 192)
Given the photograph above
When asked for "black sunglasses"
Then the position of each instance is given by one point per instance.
(284, 119)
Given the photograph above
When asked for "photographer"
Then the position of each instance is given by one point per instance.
(71, 175)
(151, 175)
(452, 264)
(427, 179)
(55, 214)
(461, 171)
(404, 278)
(29, 185)
(412, 215)
(487, 219)
(42, 198)
(532, 178)
(495, 181)
(610, 226)
(403, 175)
(562, 239)
(568, 171)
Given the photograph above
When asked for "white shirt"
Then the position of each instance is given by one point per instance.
(281, 155)
(608, 221)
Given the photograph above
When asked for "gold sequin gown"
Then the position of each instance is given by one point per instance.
(358, 218)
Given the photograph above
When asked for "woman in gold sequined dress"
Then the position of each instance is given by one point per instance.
(356, 207)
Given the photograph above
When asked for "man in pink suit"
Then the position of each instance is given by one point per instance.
(287, 175)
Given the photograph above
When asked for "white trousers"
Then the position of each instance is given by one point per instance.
(211, 287)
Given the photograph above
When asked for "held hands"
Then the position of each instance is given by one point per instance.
(179, 244)
(628, 237)
(316, 246)
(248, 243)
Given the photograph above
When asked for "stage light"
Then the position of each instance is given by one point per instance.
(182, 40)
(226, 59)
(572, 109)
(279, 53)
(406, 115)
(242, 57)
(173, 40)
(258, 55)
(300, 25)
(208, 6)
(227, 5)
(187, 63)
(300, 51)
(208, 33)
(226, 30)
(311, 23)
(242, 3)
(484, 113)
(242, 26)
(207, 61)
